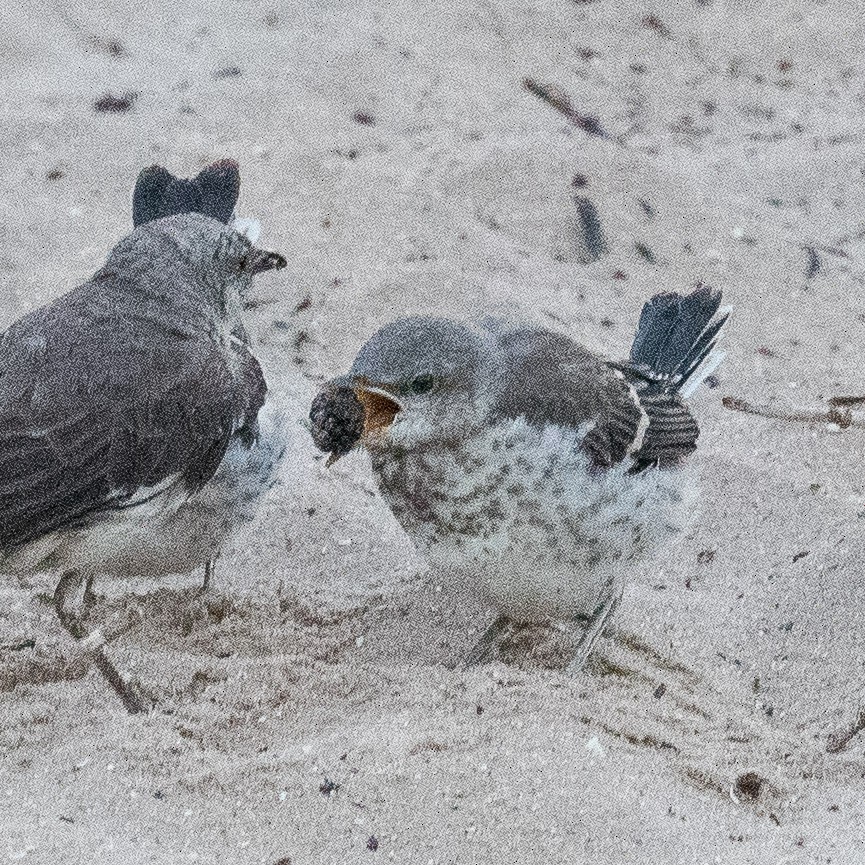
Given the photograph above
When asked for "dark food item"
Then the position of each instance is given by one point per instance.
(337, 418)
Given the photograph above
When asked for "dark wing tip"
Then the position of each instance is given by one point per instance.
(705, 299)
(219, 188)
(213, 192)
(224, 164)
(676, 333)
(149, 194)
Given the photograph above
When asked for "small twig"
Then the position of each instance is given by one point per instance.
(838, 412)
(559, 100)
(111, 46)
(814, 266)
(846, 400)
(837, 742)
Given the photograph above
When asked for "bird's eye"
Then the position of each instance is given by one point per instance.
(422, 384)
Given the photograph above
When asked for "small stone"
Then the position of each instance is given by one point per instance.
(749, 785)
(111, 104)
(228, 72)
(327, 787)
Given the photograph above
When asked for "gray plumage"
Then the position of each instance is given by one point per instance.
(549, 379)
(129, 415)
(421, 345)
(128, 380)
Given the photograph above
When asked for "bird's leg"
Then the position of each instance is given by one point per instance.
(89, 596)
(67, 602)
(67, 605)
(593, 629)
(481, 649)
(209, 570)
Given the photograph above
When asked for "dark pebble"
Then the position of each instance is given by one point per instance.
(749, 785)
(111, 104)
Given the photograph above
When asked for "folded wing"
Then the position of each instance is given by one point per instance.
(549, 379)
(97, 413)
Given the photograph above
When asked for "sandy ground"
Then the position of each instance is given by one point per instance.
(307, 712)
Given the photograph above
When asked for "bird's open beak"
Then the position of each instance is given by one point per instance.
(380, 407)
(260, 260)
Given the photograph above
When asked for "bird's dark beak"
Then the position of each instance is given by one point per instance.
(260, 260)
(380, 407)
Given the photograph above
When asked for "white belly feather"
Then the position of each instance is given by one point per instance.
(522, 517)
(165, 530)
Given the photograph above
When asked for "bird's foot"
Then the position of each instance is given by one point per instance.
(73, 598)
(630, 657)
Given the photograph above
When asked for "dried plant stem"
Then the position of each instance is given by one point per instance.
(838, 413)
(840, 740)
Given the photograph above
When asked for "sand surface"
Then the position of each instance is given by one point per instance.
(395, 155)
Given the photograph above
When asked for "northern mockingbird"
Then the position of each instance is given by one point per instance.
(129, 439)
(522, 464)
(245, 471)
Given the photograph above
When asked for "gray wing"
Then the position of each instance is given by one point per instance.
(96, 409)
(548, 378)
(672, 432)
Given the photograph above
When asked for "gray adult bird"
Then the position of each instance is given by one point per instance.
(245, 471)
(129, 439)
(524, 465)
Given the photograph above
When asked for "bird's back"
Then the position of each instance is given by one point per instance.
(107, 392)
(632, 413)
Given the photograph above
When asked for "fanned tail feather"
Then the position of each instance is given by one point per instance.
(674, 351)
(676, 335)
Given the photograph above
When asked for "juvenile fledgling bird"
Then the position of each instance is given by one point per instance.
(129, 440)
(524, 465)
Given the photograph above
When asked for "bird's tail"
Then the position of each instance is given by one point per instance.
(213, 192)
(674, 348)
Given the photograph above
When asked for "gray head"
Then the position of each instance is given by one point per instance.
(194, 252)
(419, 379)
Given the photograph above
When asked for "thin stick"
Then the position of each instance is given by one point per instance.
(558, 99)
(838, 412)
(839, 741)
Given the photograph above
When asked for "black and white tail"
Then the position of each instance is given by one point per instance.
(674, 351)
(213, 192)
(676, 338)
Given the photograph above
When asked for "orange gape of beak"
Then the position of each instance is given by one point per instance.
(379, 412)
